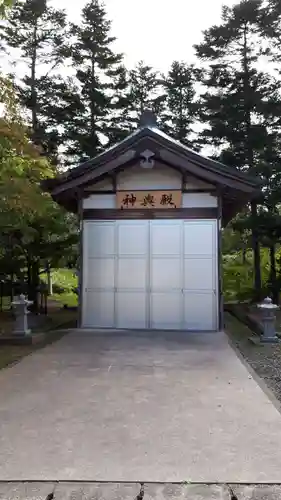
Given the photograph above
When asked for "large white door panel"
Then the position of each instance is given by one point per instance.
(131, 310)
(100, 275)
(199, 274)
(200, 311)
(158, 274)
(131, 274)
(99, 239)
(98, 309)
(165, 238)
(166, 311)
(199, 238)
(166, 274)
(132, 238)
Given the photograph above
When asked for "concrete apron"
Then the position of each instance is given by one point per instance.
(155, 408)
(136, 491)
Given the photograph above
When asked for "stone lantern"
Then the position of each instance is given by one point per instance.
(268, 310)
(20, 309)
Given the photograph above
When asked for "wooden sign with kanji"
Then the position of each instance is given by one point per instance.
(148, 199)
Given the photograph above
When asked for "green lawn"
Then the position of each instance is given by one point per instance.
(6, 303)
(66, 279)
(69, 299)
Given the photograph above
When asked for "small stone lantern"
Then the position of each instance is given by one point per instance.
(268, 310)
(20, 308)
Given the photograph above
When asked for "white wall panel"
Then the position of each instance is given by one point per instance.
(199, 200)
(100, 201)
(155, 178)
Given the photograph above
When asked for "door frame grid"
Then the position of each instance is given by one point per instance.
(148, 268)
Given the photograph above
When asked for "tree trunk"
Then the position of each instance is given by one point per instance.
(181, 127)
(12, 288)
(273, 275)
(93, 103)
(28, 275)
(33, 90)
(49, 280)
(34, 285)
(251, 163)
(257, 256)
(12, 294)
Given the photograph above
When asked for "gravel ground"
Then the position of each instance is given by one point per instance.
(264, 359)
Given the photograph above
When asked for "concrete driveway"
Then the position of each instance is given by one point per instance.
(131, 407)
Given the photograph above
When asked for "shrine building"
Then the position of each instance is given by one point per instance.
(151, 212)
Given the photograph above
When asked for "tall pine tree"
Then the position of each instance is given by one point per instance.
(136, 90)
(180, 102)
(98, 70)
(144, 89)
(35, 31)
(270, 24)
(239, 103)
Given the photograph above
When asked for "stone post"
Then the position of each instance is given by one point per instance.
(268, 310)
(21, 312)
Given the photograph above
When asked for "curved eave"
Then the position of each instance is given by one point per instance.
(235, 188)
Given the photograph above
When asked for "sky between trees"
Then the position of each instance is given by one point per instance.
(152, 31)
